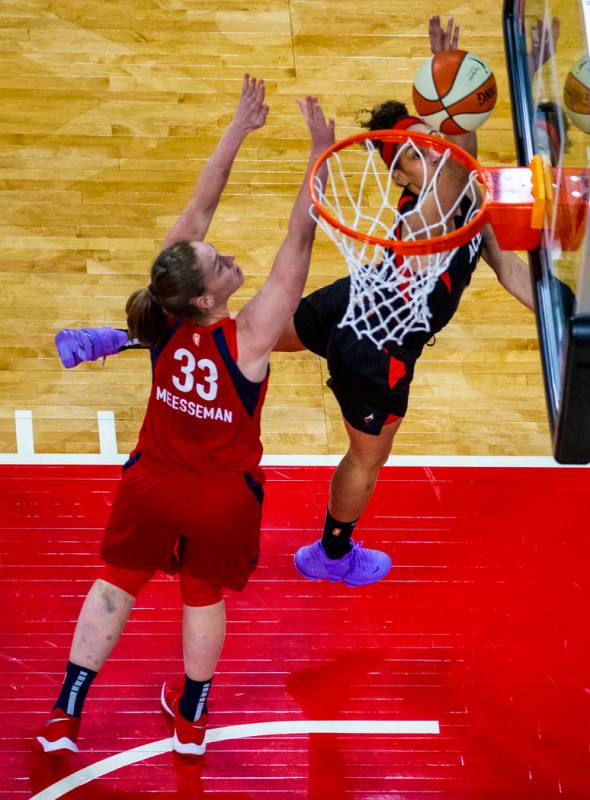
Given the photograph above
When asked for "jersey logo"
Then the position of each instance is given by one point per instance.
(197, 339)
(368, 419)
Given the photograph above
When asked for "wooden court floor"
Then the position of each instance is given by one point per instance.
(110, 110)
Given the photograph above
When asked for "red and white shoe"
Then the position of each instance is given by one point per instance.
(60, 732)
(189, 737)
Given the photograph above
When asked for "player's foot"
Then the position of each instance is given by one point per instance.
(60, 732)
(359, 567)
(75, 345)
(189, 737)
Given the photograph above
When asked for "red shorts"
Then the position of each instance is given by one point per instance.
(209, 524)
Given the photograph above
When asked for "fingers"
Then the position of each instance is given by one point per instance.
(311, 109)
(252, 88)
(308, 105)
(434, 32)
(259, 91)
(441, 40)
(320, 129)
(449, 32)
(263, 115)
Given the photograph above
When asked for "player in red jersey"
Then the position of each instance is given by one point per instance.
(191, 492)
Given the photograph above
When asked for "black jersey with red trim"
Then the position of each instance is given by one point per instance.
(444, 299)
(203, 414)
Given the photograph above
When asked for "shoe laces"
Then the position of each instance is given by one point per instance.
(360, 555)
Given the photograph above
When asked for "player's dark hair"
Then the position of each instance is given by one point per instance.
(176, 278)
(381, 117)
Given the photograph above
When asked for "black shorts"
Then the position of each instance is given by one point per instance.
(371, 386)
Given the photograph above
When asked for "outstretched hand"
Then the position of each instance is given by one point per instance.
(320, 129)
(251, 111)
(442, 40)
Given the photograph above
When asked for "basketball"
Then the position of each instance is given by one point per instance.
(576, 94)
(454, 91)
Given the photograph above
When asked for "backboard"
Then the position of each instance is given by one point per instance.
(547, 56)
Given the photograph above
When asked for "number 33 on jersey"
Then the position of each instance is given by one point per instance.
(202, 414)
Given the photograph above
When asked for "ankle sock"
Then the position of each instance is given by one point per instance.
(75, 687)
(336, 539)
(193, 701)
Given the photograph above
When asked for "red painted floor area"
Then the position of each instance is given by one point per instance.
(482, 625)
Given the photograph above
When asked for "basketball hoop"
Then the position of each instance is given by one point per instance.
(394, 257)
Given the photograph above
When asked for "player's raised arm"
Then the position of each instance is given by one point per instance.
(512, 272)
(262, 320)
(195, 218)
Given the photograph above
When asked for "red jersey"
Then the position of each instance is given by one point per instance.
(203, 414)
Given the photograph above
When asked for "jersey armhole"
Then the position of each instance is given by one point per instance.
(248, 391)
(231, 338)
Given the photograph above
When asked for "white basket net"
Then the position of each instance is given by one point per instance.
(388, 292)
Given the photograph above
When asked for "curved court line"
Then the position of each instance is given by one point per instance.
(144, 751)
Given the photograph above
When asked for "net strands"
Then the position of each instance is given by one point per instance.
(388, 291)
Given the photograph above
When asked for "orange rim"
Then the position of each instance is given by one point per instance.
(437, 244)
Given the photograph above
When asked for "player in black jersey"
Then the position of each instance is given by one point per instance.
(372, 385)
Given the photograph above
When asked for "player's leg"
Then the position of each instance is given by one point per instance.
(335, 557)
(138, 539)
(289, 341)
(316, 315)
(372, 389)
(220, 520)
(355, 477)
(101, 621)
(203, 634)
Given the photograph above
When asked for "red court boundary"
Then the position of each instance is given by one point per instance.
(481, 625)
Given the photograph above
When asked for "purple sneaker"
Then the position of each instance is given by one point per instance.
(87, 344)
(359, 567)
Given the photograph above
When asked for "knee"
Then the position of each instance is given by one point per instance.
(196, 592)
(362, 461)
(129, 580)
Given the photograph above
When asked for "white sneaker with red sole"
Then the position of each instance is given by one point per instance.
(60, 732)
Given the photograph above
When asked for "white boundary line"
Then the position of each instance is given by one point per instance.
(141, 753)
(109, 455)
(23, 423)
(107, 434)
